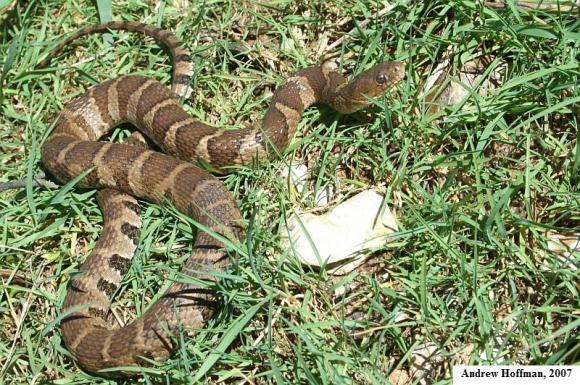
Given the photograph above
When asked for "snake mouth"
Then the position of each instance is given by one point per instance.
(398, 71)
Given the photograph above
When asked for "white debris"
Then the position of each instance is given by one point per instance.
(567, 249)
(344, 233)
(324, 196)
(443, 89)
(297, 174)
(425, 358)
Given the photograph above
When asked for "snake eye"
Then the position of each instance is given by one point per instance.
(381, 78)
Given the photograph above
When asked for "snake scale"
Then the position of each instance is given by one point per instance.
(125, 171)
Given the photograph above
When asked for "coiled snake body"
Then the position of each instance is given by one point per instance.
(120, 169)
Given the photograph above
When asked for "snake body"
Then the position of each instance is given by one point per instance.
(125, 171)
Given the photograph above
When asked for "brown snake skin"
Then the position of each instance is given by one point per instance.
(120, 169)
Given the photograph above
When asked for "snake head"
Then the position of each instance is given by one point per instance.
(379, 79)
(369, 84)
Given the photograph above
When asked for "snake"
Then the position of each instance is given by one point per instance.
(177, 175)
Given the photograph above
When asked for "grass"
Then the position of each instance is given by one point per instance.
(478, 188)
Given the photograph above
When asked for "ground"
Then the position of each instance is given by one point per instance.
(481, 170)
